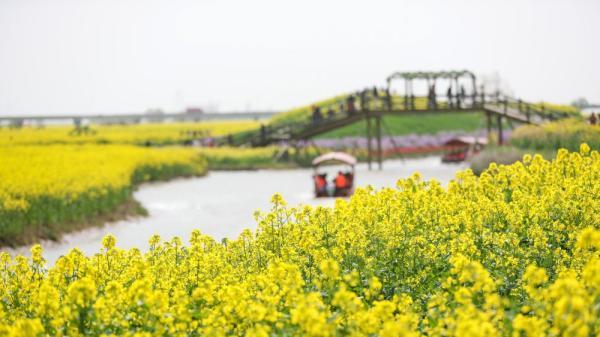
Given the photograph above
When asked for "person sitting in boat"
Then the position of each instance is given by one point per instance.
(349, 179)
(341, 183)
(321, 184)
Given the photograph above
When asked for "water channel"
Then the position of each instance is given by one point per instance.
(222, 203)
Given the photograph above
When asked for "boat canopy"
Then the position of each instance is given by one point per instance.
(334, 156)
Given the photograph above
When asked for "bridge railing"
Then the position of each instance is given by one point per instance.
(530, 110)
(270, 133)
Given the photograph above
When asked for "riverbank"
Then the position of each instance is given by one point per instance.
(233, 159)
(411, 145)
(568, 134)
(129, 208)
(502, 155)
(544, 140)
(51, 190)
(250, 159)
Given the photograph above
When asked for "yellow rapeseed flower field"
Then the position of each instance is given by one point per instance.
(42, 187)
(566, 133)
(514, 252)
(157, 133)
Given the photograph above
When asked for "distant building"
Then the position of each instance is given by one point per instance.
(194, 110)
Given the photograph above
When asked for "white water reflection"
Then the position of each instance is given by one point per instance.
(222, 204)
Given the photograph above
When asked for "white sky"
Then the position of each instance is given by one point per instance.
(116, 56)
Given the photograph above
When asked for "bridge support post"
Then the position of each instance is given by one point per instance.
(500, 136)
(378, 135)
(488, 117)
(369, 136)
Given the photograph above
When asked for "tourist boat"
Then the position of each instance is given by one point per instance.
(461, 148)
(342, 185)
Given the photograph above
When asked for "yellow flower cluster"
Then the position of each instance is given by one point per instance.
(568, 133)
(164, 133)
(45, 185)
(514, 252)
(240, 158)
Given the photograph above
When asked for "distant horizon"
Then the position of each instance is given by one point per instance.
(94, 57)
(130, 113)
(217, 111)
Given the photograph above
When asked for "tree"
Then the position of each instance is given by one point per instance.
(580, 103)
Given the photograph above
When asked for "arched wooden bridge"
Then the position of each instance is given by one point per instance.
(372, 104)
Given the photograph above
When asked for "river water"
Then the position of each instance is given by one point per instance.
(222, 203)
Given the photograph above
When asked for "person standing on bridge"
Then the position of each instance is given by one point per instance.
(330, 114)
(363, 99)
(350, 102)
(449, 97)
(388, 99)
(431, 97)
(593, 119)
(317, 117)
